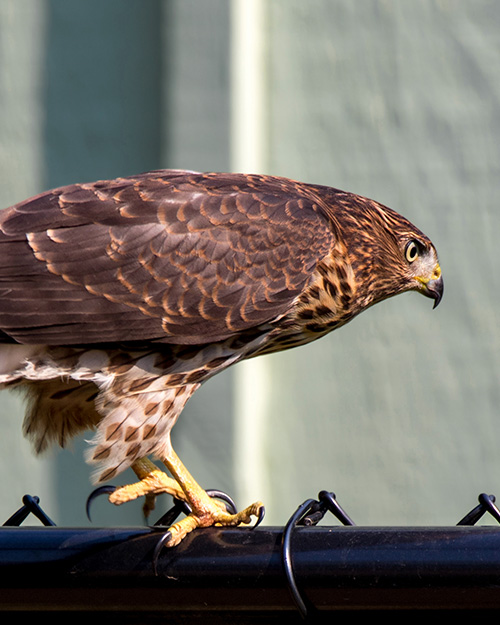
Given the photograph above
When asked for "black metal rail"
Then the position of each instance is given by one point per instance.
(244, 575)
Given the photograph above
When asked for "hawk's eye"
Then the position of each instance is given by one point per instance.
(411, 251)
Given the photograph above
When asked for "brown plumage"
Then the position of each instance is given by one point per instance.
(119, 298)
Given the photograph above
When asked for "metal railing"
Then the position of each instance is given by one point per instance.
(302, 571)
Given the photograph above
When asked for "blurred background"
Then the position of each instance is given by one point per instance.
(399, 101)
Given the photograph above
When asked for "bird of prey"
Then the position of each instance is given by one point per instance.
(118, 298)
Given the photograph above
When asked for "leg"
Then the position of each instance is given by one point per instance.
(205, 511)
(152, 482)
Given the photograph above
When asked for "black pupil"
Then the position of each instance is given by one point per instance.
(412, 251)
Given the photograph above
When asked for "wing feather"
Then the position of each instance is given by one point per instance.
(172, 256)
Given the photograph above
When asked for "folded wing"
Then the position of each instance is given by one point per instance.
(172, 256)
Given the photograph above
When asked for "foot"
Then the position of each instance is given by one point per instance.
(205, 510)
(152, 482)
(206, 516)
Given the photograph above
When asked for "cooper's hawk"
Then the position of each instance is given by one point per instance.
(119, 298)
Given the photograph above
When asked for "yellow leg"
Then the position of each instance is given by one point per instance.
(205, 510)
(152, 482)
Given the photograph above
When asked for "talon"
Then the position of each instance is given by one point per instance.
(203, 508)
(260, 517)
(218, 494)
(102, 490)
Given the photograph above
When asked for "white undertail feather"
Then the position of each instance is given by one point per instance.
(130, 399)
(135, 425)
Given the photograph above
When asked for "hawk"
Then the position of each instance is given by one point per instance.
(119, 298)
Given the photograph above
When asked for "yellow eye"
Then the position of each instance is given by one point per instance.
(411, 251)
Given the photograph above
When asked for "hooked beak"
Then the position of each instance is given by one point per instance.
(432, 287)
(435, 290)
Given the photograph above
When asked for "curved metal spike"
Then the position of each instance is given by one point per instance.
(169, 517)
(486, 504)
(334, 507)
(31, 505)
(286, 555)
(156, 553)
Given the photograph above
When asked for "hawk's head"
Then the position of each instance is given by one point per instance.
(421, 269)
(388, 254)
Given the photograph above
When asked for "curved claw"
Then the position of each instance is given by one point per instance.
(260, 518)
(102, 490)
(218, 494)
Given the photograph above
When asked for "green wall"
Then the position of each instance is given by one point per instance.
(399, 101)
